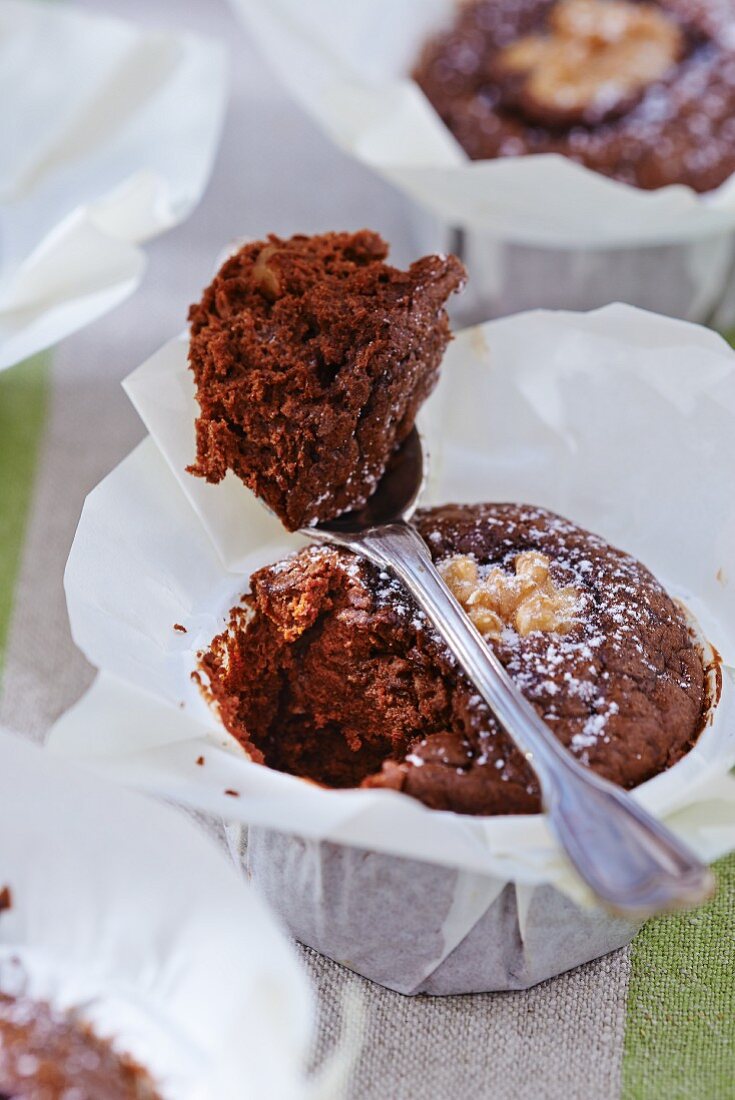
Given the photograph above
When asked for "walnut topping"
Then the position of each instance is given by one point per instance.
(526, 601)
(597, 60)
(265, 277)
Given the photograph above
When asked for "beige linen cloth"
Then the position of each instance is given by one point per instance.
(275, 172)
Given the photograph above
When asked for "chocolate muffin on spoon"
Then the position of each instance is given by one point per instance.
(311, 357)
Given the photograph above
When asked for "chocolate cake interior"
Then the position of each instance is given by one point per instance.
(311, 357)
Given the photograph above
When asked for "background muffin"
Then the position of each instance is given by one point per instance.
(640, 90)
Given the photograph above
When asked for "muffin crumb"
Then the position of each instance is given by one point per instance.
(311, 357)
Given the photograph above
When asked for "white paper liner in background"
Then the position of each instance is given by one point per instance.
(689, 280)
(108, 137)
(348, 65)
(416, 927)
(125, 910)
(618, 419)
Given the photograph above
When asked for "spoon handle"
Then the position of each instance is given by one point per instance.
(634, 865)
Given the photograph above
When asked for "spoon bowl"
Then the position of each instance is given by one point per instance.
(395, 497)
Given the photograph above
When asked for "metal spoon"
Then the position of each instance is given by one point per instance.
(634, 865)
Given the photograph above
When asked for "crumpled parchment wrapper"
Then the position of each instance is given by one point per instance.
(619, 419)
(348, 66)
(447, 930)
(124, 911)
(109, 134)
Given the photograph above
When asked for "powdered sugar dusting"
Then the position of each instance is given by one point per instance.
(613, 614)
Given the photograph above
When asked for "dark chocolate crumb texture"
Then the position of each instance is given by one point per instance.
(640, 90)
(329, 671)
(311, 357)
(47, 1055)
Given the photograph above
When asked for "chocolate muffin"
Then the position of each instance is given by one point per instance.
(311, 358)
(329, 671)
(46, 1055)
(640, 90)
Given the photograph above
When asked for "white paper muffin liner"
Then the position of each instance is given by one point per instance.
(419, 928)
(620, 420)
(124, 913)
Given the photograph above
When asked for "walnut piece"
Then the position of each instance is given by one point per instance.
(265, 277)
(526, 600)
(597, 60)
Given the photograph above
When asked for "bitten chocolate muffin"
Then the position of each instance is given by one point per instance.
(311, 358)
(640, 90)
(329, 671)
(46, 1055)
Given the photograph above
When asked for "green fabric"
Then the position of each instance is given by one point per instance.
(23, 403)
(680, 1028)
(680, 1036)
